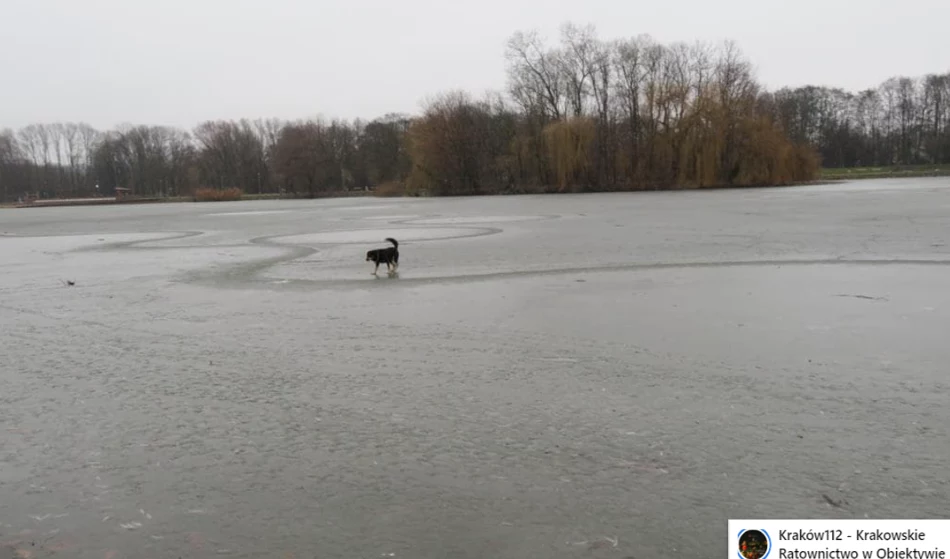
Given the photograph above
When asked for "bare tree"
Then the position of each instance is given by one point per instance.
(576, 63)
(304, 157)
(268, 133)
(536, 81)
(9, 157)
(231, 154)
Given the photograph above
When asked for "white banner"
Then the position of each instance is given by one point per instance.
(839, 539)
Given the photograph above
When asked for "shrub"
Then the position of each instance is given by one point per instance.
(390, 189)
(218, 195)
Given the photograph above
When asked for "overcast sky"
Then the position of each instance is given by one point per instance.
(178, 62)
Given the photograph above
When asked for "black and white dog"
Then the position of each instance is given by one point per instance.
(388, 255)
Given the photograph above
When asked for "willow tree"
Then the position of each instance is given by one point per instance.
(570, 146)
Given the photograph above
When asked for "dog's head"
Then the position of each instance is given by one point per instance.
(369, 255)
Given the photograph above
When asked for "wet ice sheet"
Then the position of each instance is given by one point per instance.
(370, 236)
(465, 220)
(247, 213)
(18, 250)
(32, 263)
(650, 398)
(147, 412)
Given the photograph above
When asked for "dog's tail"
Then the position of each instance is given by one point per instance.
(393, 241)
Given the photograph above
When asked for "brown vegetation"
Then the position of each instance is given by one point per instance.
(582, 115)
(390, 189)
(592, 116)
(218, 194)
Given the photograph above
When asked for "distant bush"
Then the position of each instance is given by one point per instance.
(806, 163)
(390, 189)
(218, 195)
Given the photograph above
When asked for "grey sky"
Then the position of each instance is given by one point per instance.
(177, 62)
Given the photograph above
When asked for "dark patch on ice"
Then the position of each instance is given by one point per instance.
(867, 297)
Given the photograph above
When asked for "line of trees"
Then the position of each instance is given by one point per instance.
(305, 158)
(581, 115)
(903, 122)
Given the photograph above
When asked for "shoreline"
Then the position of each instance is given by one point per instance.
(830, 177)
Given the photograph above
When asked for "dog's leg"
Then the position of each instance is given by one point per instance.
(376, 269)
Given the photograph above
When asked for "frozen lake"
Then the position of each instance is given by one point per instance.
(610, 375)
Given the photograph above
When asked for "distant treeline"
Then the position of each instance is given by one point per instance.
(583, 115)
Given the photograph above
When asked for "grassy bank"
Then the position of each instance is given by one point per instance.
(892, 172)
